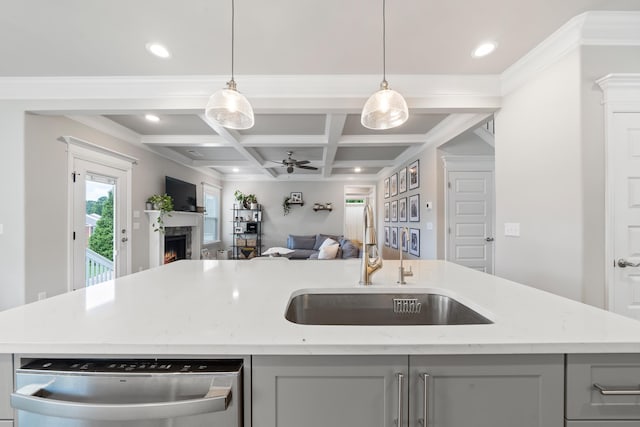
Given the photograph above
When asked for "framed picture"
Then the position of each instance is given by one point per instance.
(386, 188)
(414, 241)
(386, 211)
(295, 197)
(404, 243)
(394, 211)
(257, 216)
(402, 209)
(414, 208)
(414, 175)
(402, 180)
(386, 235)
(238, 230)
(394, 237)
(394, 184)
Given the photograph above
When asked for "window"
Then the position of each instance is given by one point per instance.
(211, 227)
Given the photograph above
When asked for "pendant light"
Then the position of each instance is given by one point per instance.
(386, 108)
(229, 107)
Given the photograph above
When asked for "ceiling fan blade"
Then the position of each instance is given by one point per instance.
(302, 162)
(313, 168)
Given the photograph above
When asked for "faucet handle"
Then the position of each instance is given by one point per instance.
(408, 273)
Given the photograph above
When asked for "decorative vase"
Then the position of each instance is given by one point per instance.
(254, 206)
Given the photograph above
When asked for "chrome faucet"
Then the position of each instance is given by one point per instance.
(371, 261)
(402, 273)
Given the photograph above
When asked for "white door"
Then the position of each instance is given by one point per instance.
(625, 151)
(470, 219)
(99, 220)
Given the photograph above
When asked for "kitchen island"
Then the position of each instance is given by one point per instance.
(237, 307)
(534, 365)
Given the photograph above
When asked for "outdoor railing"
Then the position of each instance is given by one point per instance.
(97, 269)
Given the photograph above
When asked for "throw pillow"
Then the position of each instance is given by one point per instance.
(320, 238)
(327, 242)
(349, 250)
(301, 242)
(329, 251)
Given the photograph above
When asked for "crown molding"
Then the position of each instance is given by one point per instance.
(595, 28)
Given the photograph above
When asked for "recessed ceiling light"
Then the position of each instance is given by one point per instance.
(357, 169)
(152, 118)
(158, 50)
(236, 170)
(484, 49)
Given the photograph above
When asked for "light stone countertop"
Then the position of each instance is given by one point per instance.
(237, 308)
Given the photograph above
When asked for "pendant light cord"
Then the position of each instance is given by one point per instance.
(384, 43)
(233, 20)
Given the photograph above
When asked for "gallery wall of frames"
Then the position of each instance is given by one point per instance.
(401, 208)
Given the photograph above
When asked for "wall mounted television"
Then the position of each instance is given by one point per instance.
(183, 194)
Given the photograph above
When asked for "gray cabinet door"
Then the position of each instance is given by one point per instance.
(487, 390)
(322, 391)
(6, 386)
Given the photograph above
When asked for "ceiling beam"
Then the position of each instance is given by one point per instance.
(334, 125)
(386, 139)
(453, 126)
(284, 140)
(233, 138)
(486, 136)
(185, 140)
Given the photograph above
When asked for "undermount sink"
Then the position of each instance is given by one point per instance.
(425, 308)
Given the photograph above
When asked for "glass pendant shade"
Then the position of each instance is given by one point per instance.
(230, 108)
(385, 109)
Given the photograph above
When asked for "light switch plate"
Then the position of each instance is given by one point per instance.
(429, 226)
(428, 205)
(512, 229)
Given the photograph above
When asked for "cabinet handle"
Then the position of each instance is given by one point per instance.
(399, 421)
(424, 421)
(619, 391)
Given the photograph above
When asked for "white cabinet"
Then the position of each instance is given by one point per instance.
(478, 391)
(6, 388)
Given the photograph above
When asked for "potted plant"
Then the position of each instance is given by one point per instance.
(251, 200)
(286, 206)
(239, 196)
(248, 201)
(164, 204)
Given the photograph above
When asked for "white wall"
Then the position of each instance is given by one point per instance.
(46, 213)
(12, 206)
(300, 220)
(428, 191)
(539, 181)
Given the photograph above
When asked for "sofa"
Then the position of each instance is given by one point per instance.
(309, 246)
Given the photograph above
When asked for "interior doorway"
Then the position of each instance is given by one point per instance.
(469, 211)
(355, 197)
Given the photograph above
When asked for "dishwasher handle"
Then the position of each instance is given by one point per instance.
(217, 399)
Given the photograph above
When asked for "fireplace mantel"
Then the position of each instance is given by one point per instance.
(173, 219)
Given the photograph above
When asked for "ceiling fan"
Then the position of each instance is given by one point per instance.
(291, 163)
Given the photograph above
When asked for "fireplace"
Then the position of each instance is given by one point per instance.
(183, 224)
(175, 248)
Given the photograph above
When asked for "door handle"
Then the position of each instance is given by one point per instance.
(618, 391)
(622, 263)
(424, 421)
(124, 240)
(488, 239)
(399, 421)
(29, 398)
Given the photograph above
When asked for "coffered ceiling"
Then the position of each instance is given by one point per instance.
(429, 45)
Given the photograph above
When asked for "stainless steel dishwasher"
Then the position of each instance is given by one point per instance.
(117, 392)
